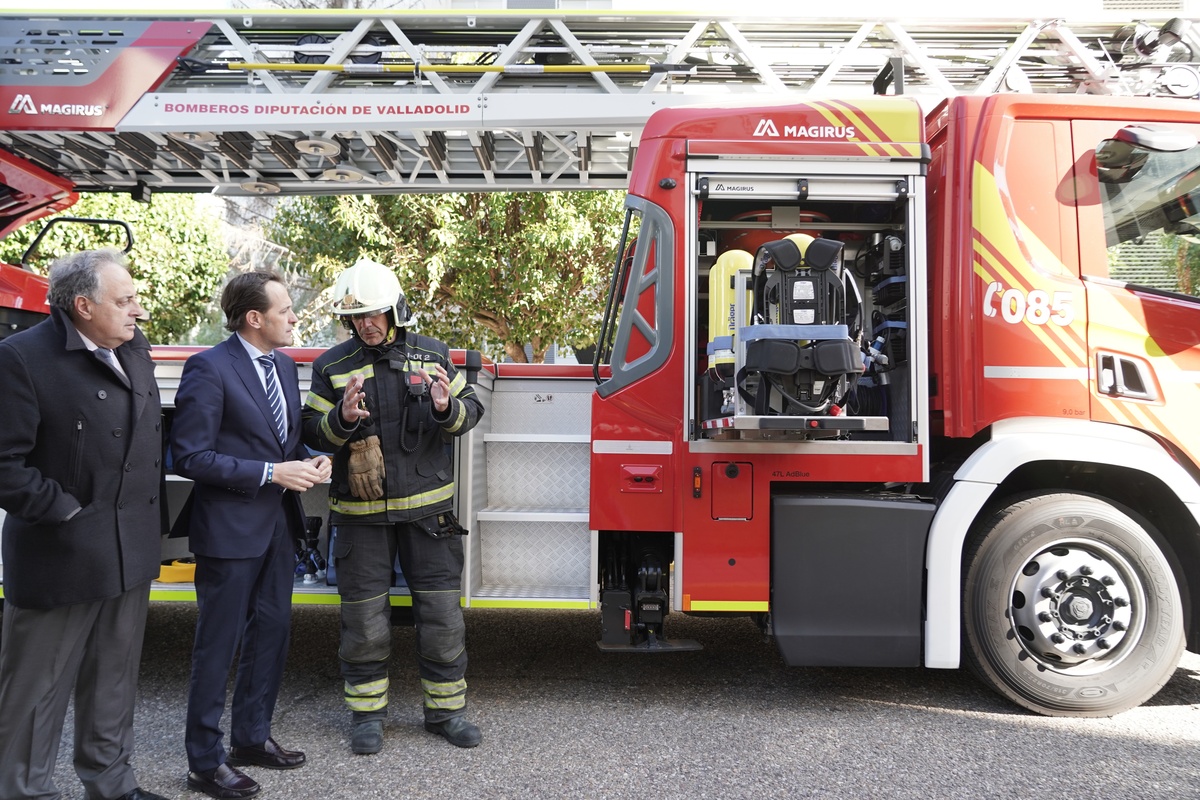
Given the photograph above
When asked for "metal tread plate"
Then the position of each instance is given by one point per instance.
(798, 424)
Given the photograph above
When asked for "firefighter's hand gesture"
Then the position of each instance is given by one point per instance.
(354, 401)
(439, 387)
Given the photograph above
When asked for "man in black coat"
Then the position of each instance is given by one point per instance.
(81, 480)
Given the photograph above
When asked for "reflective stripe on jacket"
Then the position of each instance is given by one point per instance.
(415, 441)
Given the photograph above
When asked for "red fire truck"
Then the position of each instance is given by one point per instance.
(873, 375)
(30, 194)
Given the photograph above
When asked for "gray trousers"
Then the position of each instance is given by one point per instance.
(94, 648)
(433, 567)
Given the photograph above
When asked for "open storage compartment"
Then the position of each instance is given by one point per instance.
(808, 280)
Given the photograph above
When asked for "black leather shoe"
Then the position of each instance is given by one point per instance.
(268, 754)
(457, 731)
(141, 794)
(224, 782)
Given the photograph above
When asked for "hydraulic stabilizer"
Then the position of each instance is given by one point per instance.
(635, 595)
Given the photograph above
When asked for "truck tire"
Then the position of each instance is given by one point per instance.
(1070, 607)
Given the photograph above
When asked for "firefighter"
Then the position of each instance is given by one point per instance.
(386, 404)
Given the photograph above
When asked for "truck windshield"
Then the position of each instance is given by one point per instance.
(1151, 214)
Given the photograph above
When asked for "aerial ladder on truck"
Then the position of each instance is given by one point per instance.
(866, 374)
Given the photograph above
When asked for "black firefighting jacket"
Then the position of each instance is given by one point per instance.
(415, 440)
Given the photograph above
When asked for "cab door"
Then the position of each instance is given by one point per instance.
(1139, 219)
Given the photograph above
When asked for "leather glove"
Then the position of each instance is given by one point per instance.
(366, 468)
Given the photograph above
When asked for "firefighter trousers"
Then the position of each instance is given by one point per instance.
(365, 555)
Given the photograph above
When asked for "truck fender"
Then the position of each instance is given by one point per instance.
(1014, 443)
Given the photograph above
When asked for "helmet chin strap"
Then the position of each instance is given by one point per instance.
(393, 333)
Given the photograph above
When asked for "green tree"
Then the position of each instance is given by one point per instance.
(178, 259)
(495, 271)
(1184, 262)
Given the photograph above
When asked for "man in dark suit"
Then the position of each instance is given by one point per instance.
(81, 480)
(236, 435)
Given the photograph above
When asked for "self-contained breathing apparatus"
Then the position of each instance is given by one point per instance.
(803, 344)
(722, 328)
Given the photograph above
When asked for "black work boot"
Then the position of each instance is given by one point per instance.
(457, 731)
(367, 737)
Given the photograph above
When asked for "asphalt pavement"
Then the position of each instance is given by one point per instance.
(560, 719)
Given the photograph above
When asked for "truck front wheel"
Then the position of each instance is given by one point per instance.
(1070, 607)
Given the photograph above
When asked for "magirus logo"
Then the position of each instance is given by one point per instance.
(22, 104)
(767, 127)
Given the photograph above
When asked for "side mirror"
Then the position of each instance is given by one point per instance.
(1120, 158)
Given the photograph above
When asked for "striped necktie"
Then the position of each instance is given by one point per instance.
(107, 356)
(110, 359)
(273, 396)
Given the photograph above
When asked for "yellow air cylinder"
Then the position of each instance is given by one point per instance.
(722, 304)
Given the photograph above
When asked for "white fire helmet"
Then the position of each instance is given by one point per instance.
(369, 287)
